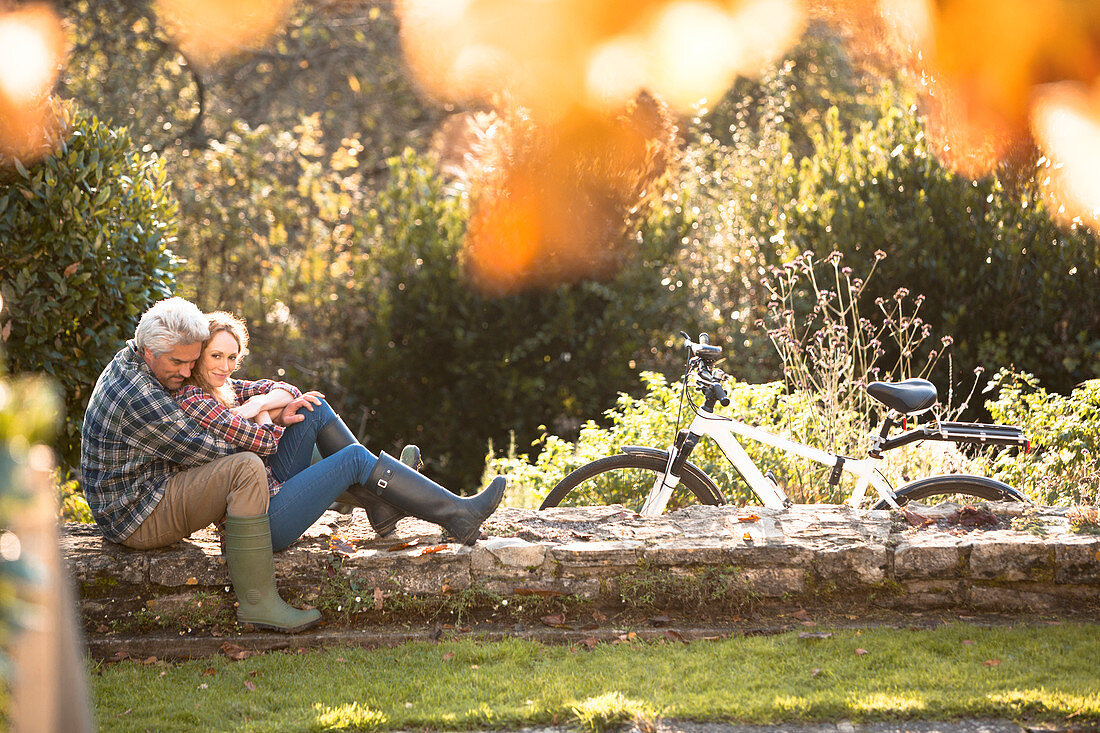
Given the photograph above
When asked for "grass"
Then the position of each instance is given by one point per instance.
(1038, 673)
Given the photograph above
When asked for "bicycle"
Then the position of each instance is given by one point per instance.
(659, 472)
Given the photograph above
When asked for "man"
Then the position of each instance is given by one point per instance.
(153, 476)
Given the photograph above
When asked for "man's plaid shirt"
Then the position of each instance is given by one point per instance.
(135, 436)
(263, 440)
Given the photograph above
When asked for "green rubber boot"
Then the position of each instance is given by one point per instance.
(252, 570)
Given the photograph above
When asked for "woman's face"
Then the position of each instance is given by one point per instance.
(219, 359)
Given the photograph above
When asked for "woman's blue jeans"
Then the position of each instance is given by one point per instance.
(308, 490)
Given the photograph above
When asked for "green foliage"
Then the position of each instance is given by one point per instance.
(1001, 276)
(73, 506)
(1062, 467)
(84, 238)
(829, 350)
(430, 360)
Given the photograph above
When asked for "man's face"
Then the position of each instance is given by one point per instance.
(174, 366)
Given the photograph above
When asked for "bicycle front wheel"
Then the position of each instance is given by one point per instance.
(954, 487)
(626, 479)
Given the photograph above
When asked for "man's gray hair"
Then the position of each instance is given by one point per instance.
(170, 323)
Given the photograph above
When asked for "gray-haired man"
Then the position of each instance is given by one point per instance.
(152, 475)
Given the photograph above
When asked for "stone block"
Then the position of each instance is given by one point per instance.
(693, 551)
(597, 554)
(1008, 598)
(511, 553)
(774, 582)
(1009, 556)
(1077, 559)
(933, 557)
(855, 564)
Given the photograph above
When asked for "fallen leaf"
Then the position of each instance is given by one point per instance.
(536, 592)
(556, 619)
(149, 660)
(808, 623)
(102, 629)
(119, 656)
(403, 545)
(192, 581)
(814, 635)
(127, 711)
(341, 660)
(338, 545)
(802, 614)
(235, 652)
(861, 652)
(378, 599)
(163, 672)
(815, 671)
(675, 635)
(749, 518)
(448, 656)
(433, 549)
(598, 617)
(590, 642)
(968, 642)
(992, 662)
(251, 687)
(915, 519)
(209, 672)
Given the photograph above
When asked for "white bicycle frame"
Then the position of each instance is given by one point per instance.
(723, 431)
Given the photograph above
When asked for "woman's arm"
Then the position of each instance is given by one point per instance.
(261, 439)
(263, 395)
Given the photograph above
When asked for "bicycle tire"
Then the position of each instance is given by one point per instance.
(978, 487)
(692, 477)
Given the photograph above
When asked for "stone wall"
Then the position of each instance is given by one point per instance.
(700, 564)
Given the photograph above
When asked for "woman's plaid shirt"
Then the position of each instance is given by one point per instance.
(262, 440)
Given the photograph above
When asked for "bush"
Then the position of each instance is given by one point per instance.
(1062, 468)
(1001, 277)
(84, 238)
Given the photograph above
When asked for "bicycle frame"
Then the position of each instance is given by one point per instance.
(723, 431)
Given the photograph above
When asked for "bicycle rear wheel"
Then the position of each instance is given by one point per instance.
(952, 487)
(626, 479)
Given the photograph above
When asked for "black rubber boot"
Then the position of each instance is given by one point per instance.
(400, 486)
(383, 518)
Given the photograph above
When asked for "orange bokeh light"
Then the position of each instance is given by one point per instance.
(32, 48)
(208, 30)
(1066, 122)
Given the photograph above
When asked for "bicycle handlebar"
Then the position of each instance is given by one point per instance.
(705, 355)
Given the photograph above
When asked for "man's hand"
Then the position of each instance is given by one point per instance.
(289, 414)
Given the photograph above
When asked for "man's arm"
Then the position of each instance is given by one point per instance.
(160, 428)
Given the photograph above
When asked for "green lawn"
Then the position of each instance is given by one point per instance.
(1023, 672)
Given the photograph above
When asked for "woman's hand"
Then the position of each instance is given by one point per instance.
(289, 414)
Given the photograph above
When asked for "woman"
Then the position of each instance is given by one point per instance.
(246, 414)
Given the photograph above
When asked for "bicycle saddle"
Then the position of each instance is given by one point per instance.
(907, 397)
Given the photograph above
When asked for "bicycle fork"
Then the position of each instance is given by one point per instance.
(661, 490)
